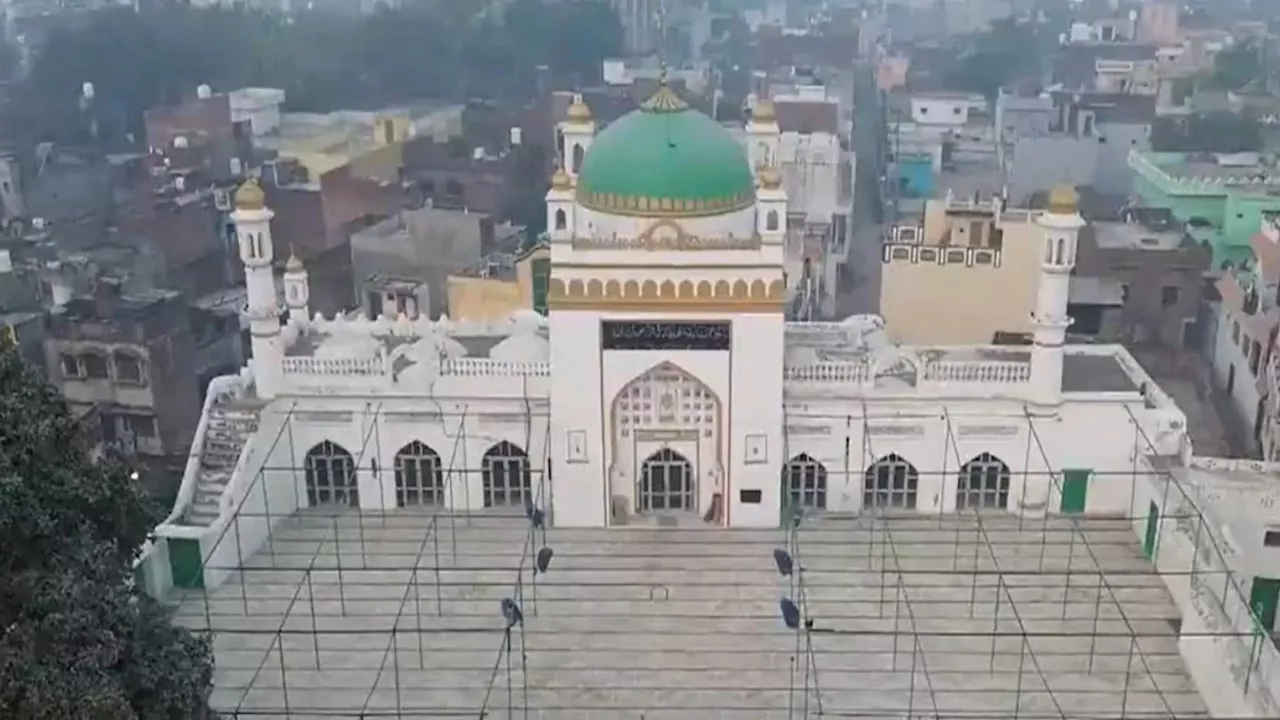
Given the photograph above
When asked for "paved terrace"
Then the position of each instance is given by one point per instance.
(685, 624)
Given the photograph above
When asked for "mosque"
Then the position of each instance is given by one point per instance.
(665, 388)
(666, 385)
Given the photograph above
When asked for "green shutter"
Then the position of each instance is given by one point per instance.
(1075, 490)
(1153, 532)
(1262, 598)
(186, 563)
(541, 276)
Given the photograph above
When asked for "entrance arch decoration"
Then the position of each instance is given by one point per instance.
(660, 418)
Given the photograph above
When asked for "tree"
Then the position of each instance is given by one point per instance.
(1237, 66)
(1010, 51)
(76, 639)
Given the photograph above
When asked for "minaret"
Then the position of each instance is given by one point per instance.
(576, 132)
(560, 207)
(1061, 223)
(252, 218)
(763, 135)
(297, 288)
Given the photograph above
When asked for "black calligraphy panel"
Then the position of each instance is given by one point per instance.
(641, 335)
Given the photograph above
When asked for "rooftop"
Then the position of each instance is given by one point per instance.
(1136, 235)
(400, 615)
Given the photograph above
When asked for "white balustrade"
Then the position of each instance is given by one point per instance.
(484, 367)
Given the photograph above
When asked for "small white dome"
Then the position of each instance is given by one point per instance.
(522, 347)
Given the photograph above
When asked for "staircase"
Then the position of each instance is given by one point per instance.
(232, 421)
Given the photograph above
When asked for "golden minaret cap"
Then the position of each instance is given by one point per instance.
(249, 196)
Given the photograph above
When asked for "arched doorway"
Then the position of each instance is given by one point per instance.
(983, 484)
(507, 477)
(419, 476)
(667, 484)
(804, 483)
(665, 408)
(331, 476)
(891, 483)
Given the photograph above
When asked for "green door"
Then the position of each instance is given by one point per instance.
(186, 563)
(1263, 601)
(1075, 490)
(1153, 532)
(540, 275)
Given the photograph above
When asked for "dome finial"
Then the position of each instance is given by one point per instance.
(249, 196)
(1064, 200)
(294, 263)
(560, 179)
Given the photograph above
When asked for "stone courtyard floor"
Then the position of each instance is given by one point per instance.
(399, 616)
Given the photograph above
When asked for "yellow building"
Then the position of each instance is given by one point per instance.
(969, 273)
(490, 299)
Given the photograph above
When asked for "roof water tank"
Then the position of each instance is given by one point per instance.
(204, 92)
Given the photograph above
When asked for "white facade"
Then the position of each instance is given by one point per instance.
(666, 388)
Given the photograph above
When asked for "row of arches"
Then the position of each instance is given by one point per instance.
(666, 482)
(507, 476)
(892, 483)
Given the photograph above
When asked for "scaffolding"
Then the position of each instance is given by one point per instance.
(419, 613)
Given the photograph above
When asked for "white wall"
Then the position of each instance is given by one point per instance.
(1227, 354)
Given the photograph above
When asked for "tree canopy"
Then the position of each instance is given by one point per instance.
(323, 60)
(77, 641)
(1236, 67)
(1008, 52)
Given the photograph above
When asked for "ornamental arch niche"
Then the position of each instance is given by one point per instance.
(666, 431)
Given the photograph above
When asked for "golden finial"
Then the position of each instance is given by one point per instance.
(578, 112)
(1064, 200)
(770, 178)
(249, 196)
(560, 179)
(764, 112)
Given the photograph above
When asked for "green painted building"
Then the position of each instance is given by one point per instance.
(1221, 198)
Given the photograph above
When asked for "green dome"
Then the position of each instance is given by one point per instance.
(665, 159)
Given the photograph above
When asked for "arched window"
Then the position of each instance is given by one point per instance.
(1048, 250)
(804, 483)
(890, 483)
(562, 220)
(331, 476)
(983, 483)
(667, 484)
(419, 476)
(771, 221)
(578, 154)
(1061, 256)
(507, 478)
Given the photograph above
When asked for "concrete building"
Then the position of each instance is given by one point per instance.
(965, 276)
(639, 24)
(1139, 280)
(499, 294)
(1221, 198)
(1081, 139)
(1244, 335)
(1158, 22)
(132, 357)
(1118, 67)
(424, 247)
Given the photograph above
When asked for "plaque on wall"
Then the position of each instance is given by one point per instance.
(656, 335)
